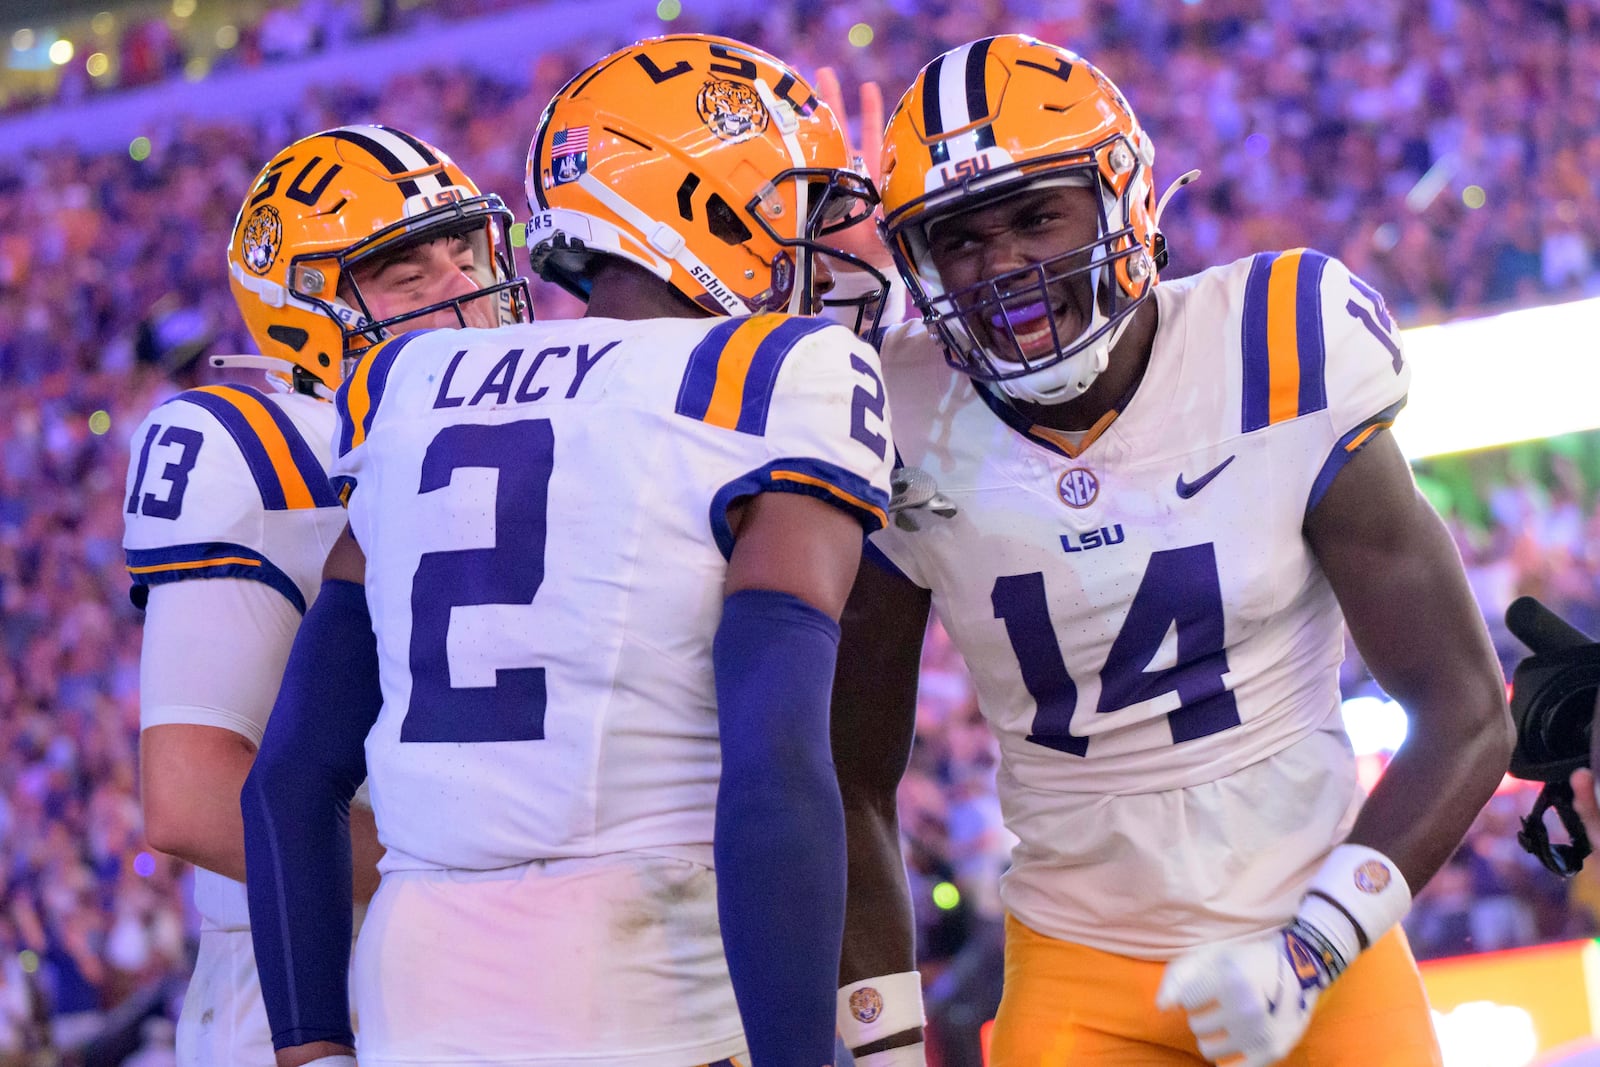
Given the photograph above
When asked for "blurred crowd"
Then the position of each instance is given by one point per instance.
(1367, 128)
(1448, 150)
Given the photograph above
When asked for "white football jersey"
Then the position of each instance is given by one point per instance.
(1141, 612)
(543, 511)
(229, 481)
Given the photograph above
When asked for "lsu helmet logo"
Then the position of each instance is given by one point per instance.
(263, 235)
(731, 110)
(866, 1004)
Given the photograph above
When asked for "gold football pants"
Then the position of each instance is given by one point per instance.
(1070, 1004)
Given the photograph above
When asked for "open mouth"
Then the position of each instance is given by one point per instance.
(1030, 324)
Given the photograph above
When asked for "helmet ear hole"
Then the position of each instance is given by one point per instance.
(293, 336)
(725, 223)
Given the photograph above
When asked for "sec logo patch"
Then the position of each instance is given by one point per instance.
(866, 1004)
(1078, 488)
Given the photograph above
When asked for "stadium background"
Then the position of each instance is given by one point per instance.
(1447, 150)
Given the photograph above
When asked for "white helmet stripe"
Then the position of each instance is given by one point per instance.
(788, 123)
(953, 111)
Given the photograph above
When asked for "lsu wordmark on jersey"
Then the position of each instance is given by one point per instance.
(544, 514)
(1140, 611)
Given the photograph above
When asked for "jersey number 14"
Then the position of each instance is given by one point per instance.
(1181, 590)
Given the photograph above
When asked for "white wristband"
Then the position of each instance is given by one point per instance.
(905, 1056)
(875, 1008)
(1357, 897)
(332, 1061)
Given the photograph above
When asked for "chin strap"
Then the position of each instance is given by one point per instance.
(665, 244)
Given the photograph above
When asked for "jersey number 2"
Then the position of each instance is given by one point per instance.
(1180, 589)
(509, 573)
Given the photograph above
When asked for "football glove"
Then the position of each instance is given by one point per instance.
(1253, 999)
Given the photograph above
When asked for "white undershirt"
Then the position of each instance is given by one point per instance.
(214, 652)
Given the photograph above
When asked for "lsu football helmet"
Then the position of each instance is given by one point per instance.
(705, 161)
(325, 204)
(988, 120)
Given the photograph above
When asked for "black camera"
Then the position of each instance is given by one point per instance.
(1553, 704)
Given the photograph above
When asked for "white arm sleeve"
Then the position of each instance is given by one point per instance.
(214, 653)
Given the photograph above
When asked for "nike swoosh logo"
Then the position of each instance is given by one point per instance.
(1189, 489)
(1277, 994)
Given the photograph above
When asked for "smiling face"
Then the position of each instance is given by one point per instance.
(1017, 268)
(428, 273)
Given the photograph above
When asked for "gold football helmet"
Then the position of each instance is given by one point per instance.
(993, 118)
(706, 161)
(324, 205)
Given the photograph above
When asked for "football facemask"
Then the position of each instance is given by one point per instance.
(993, 118)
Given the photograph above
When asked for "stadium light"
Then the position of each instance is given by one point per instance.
(1522, 375)
(1375, 725)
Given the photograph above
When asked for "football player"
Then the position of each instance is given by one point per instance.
(1168, 500)
(587, 611)
(345, 236)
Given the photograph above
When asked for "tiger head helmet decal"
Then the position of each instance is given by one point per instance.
(731, 109)
(262, 236)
